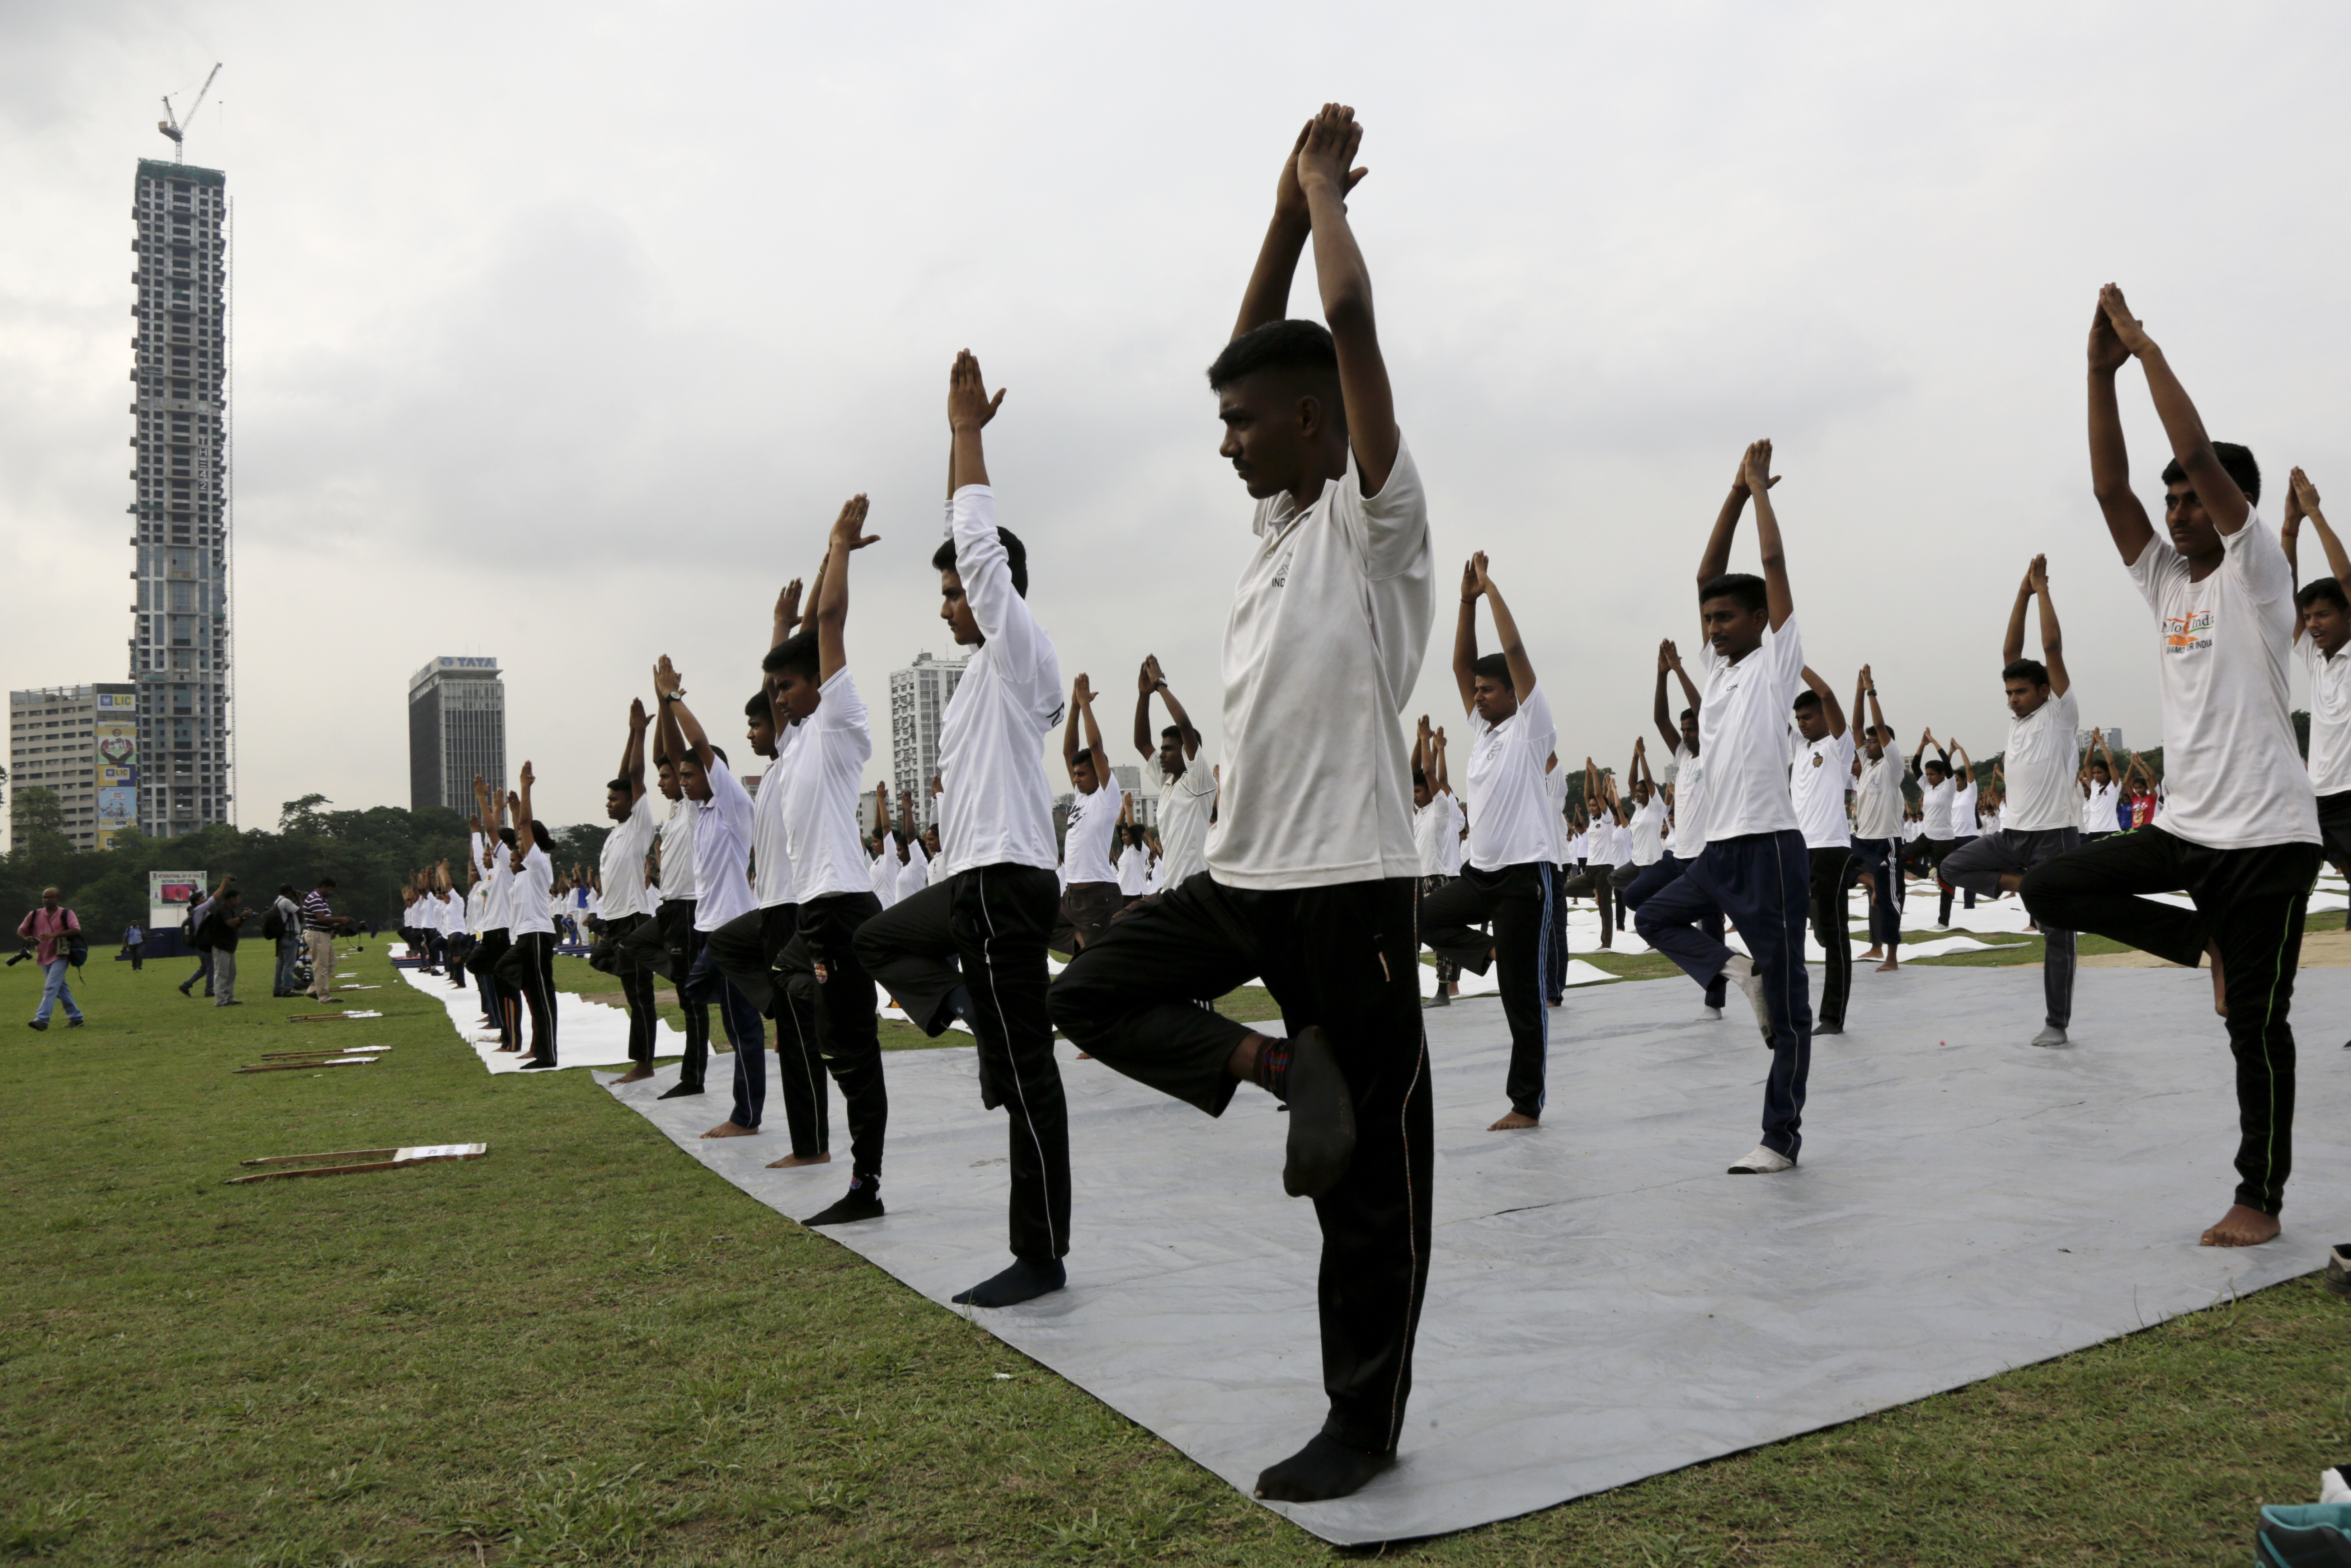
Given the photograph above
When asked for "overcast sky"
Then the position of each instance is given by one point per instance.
(562, 331)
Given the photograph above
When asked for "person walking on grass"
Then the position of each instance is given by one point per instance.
(134, 945)
(55, 931)
(220, 932)
(319, 923)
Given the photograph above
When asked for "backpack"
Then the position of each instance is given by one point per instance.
(188, 931)
(272, 924)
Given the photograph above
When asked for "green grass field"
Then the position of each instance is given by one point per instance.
(585, 1349)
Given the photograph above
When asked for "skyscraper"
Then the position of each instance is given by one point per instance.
(918, 699)
(456, 728)
(182, 649)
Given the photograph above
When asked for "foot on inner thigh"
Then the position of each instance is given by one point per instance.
(1513, 1122)
(2221, 1000)
(1023, 1281)
(727, 1129)
(794, 1162)
(2241, 1226)
(1322, 1470)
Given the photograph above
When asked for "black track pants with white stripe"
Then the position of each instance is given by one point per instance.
(985, 930)
(1346, 957)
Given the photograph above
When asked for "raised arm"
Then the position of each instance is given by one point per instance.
(2305, 497)
(786, 618)
(2222, 501)
(1877, 714)
(849, 536)
(2053, 638)
(1442, 781)
(1324, 174)
(2012, 646)
(881, 811)
(1756, 473)
(1070, 726)
(1667, 730)
(523, 815)
(1465, 637)
(1267, 298)
(632, 752)
(2109, 454)
(1423, 758)
(681, 731)
(1175, 713)
(1143, 686)
(1506, 631)
(1828, 701)
(1716, 560)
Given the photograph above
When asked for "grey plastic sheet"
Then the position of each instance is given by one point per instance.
(1605, 1303)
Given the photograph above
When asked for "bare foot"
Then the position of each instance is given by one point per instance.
(1513, 1122)
(793, 1162)
(2220, 1006)
(2241, 1226)
(1086, 1056)
(636, 1074)
(1873, 953)
(729, 1130)
(509, 1047)
(1888, 967)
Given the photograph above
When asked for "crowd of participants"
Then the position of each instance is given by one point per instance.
(1324, 853)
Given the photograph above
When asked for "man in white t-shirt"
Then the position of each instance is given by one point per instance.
(722, 893)
(1936, 790)
(972, 946)
(2320, 638)
(2239, 828)
(2039, 823)
(1685, 835)
(1754, 869)
(1311, 870)
(1817, 777)
(1965, 828)
(627, 902)
(1090, 839)
(1437, 825)
(1594, 878)
(1509, 878)
(1878, 821)
(1187, 793)
(809, 679)
(2098, 791)
(673, 918)
(1646, 827)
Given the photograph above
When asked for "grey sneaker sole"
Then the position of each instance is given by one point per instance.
(1322, 1117)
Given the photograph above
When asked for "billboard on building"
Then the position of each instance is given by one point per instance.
(116, 733)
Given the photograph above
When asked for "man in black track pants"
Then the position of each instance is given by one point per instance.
(1324, 639)
(620, 868)
(972, 946)
(1508, 875)
(2239, 828)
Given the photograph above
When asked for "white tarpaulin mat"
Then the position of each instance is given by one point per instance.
(1605, 1303)
(587, 1034)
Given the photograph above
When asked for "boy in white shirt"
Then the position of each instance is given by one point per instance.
(627, 903)
(1754, 869)
(2039, 827)
(1816, 786)
(1090, 892)
(1879, 823)
(807, 676)
(1311, 871)
(673, 918)
(1509, 880)
(1436, 834)
(1685, 835)
(2319, 637)
(2239, 828)
(1187, 793)
(973, 944)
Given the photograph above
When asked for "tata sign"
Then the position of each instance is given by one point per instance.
(469, 664)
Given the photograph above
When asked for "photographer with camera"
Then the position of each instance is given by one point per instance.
(56, 933)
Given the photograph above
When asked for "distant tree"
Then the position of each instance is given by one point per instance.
(38, 814)
(582, 844)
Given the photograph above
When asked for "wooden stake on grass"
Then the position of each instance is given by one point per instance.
(366, 1160)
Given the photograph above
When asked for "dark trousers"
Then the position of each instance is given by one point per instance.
(761, 956)
(1594, 879)
(1762, 881)
(1342, 958)
(138, 951)
(1448, 971)
(636, 991)
(845, 1028)
(1833, 872)
(498, 998)
(204, 971)
(978, 940)
(537, 989)
(706, 984)
(1555, 953)
(1517, 899)
(1655, 878)
(2248, 905)
(675, 918)
(1977, 865)
(1943, 914)
(1882, 858)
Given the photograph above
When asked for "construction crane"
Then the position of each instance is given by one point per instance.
(169, 124)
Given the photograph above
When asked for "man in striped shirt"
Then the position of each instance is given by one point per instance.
(319, 924)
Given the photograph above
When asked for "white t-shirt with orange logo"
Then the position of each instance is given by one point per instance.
(2233, 777)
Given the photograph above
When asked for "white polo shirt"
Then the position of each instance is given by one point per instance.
(1742, 727)
(2098, 813)
(1186, 800)
(1816, 786)
(771, 857)
(820, 776)
(532, 894)
(1436, 834)
(1328, 624)
(1877, 799)
(1935, 806)
(1689, 840)
(621, 864)
(998, 809)
(1509, 806)
(2042, 795)
(1963, 810)
(2330, 716)
(2233, 777)
(1649, 831)
(722, 851)
(676, 838)
(1093, 823)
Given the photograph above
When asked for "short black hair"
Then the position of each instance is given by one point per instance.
(2236, 461)
(2032, 670)
(1016, 558)
(1743, 587)
(326, 882)
(507, 837)
(1938, 764)
(759, 706)
(798, 653)
(1493, 667)
(1689, 712)
(2325, 588)
(622, 785)
(1300, 347)
(1807, 698)
(720, 753)
(1175, 731)
(661, 760)
(1419, 779)
(1085, 755)
(285, 889)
